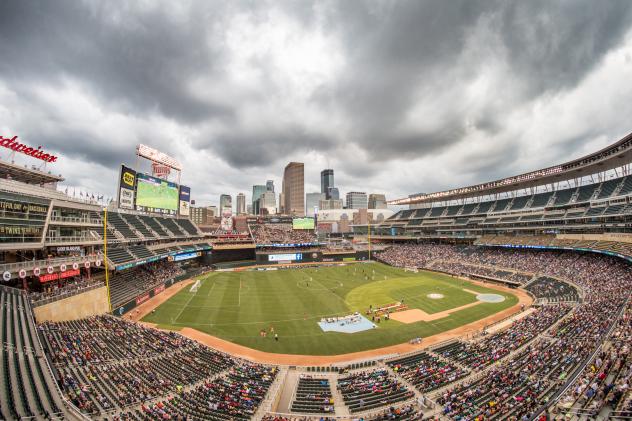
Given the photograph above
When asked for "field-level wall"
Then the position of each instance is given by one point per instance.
(612, 236)
(78, 306)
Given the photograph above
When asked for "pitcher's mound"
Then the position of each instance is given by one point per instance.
(435, 296)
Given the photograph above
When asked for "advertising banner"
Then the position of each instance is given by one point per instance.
(285, 257)
(185, 200)
(127, 183)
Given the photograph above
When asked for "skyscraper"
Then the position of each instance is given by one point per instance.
(377, 201)
(326, 181)
(332, 193)
(267, 201)
(357, 200)
(281, 204)
(294, 189)
(312, 202)
(241, 204)
(225, 204)
(257, 191)
(270, 185)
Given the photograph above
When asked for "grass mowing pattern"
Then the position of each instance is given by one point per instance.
(236, 305)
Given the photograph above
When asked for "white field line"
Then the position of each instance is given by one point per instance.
(185, 306)
(211, 290)
(239, 294)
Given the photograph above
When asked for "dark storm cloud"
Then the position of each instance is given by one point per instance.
(141, 60)
(415, 79)
(256, 149)
(549, 47)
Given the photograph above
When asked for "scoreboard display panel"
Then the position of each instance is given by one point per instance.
(154, 194)
(303, 223)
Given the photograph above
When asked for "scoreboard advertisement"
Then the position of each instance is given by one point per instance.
(146, 193)
(185, 200)
(288, 257)
(127, 186)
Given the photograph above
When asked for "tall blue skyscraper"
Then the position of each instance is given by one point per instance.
(326, 182)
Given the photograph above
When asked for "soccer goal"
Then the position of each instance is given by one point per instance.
(411, 269)
(195, 286)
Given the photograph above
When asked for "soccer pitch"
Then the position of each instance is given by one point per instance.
(236, 306)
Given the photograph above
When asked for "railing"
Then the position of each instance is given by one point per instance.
(72, 239)
(69, 293)
(74, 219)
(28, 265)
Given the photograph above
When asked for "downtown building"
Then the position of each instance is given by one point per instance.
(226, 204)
(327, 185)
(257, 191)
(357, 200)
(293, 189)
(312, 203)
(377, 201)
(241, 204)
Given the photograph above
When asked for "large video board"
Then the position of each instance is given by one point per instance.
(303, 223)
(156, 195)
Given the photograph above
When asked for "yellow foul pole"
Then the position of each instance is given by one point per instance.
(105, 256)
(369, 237)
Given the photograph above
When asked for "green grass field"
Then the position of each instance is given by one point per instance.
(236, 305)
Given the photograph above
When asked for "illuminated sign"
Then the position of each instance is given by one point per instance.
(126, 188)
(185, 256)
(13, 144)
(157, 156)
(185, 200)
(285, 257)
(128, 178)
(59, 275)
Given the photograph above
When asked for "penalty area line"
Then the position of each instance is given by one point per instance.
(185, 306)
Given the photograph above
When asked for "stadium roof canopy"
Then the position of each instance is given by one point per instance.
(613, 156)
(27, 175)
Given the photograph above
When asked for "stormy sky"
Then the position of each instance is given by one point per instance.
(398, 97)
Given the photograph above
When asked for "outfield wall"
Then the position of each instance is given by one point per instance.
(229, 255)
(78, 306)
(263, 258)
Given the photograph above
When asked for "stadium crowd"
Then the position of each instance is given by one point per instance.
(281, 234)
(524, 382)
(368, 390)
(63, 288)
(480, 354)
(106, 364)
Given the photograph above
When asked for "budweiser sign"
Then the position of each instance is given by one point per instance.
(13, 144)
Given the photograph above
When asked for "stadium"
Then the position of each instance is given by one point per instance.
(504, 300)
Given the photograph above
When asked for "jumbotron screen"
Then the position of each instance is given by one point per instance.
(154, 193)
(303, 223)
